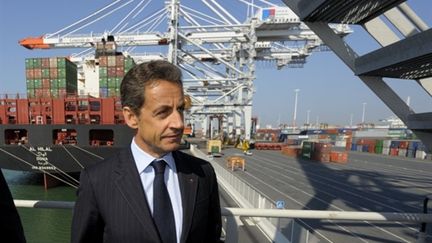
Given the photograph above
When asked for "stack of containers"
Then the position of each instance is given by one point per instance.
(394, 148)
(379, 145)
(50, 77)
(112, 69)
(412, 147)
(420, 152)
(362, 145)
(403, 148)
(321, 152)
(386, 147)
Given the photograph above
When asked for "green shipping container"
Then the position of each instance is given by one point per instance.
(379, 144)
(30, 93)
(54, 83)
(307, 149)
(37, 83)
(103, 72)
(29, 63)
(129, 62)
(118, 82)
(45, 73)
(30, 83)
(61, 83)
(112, 83)
(37, 63)
(378, 149)
(61, 62)
(113, 92)
(61, 73)
(103, 82)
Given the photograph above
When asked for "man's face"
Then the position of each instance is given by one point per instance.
(160, 123)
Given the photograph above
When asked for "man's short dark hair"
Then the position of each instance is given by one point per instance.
(136, 80)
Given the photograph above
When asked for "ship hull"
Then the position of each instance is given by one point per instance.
(40, 153)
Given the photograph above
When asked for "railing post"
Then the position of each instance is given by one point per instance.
(231, 230)
(422, 232)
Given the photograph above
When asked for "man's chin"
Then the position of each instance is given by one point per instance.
(171, 147)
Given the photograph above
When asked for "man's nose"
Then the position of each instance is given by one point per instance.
(177, 120)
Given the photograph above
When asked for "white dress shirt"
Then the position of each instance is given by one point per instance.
(147, 174)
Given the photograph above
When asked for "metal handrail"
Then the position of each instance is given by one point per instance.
(271, 213)
(230, 213)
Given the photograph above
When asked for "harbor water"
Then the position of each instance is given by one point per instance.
(41, 225)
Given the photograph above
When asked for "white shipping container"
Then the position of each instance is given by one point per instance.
(372, 133)
(386, 151)
(402, 152)
(340, 143)
(420, 154)
(386, 143)
(359, 148)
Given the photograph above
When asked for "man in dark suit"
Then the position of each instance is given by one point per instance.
(129, 198)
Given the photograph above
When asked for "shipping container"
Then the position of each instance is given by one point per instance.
(48, 74)
(307, 149)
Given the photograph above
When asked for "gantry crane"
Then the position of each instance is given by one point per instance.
(215, 50)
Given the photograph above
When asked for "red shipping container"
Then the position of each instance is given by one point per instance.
(46, 84)
(371, 148)
(403, 144)
(53, 73)
(37, 73)
(348, 143)
(62, 93)
(394, 151)
(322, 147)
(46, 92)
(120, 61)
(103, 61)
(322, 157)
(30, 73)
(45, 62)
(38, 93)
(119, 71)
(111, 72)
(291, 151)
(339, 157)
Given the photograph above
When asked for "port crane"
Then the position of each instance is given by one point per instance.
(217, 52)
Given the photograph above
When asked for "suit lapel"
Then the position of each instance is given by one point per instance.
(188, 182)
(129, 184)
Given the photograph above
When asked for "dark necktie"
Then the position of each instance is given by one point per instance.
(163, 214)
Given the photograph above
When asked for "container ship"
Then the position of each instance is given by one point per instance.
(56, 127)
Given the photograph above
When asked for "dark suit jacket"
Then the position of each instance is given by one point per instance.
(11, 229)
(112, 206)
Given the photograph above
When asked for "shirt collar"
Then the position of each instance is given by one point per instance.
(143, 159)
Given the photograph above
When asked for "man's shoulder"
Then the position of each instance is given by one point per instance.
(190, 162)
(109, 162)
(189, 158)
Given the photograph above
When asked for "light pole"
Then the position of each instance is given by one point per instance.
(364, 110)
(295, 108)
(307, 118)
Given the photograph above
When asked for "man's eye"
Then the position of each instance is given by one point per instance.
(162, 113)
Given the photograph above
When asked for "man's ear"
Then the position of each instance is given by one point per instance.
(130, 117)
